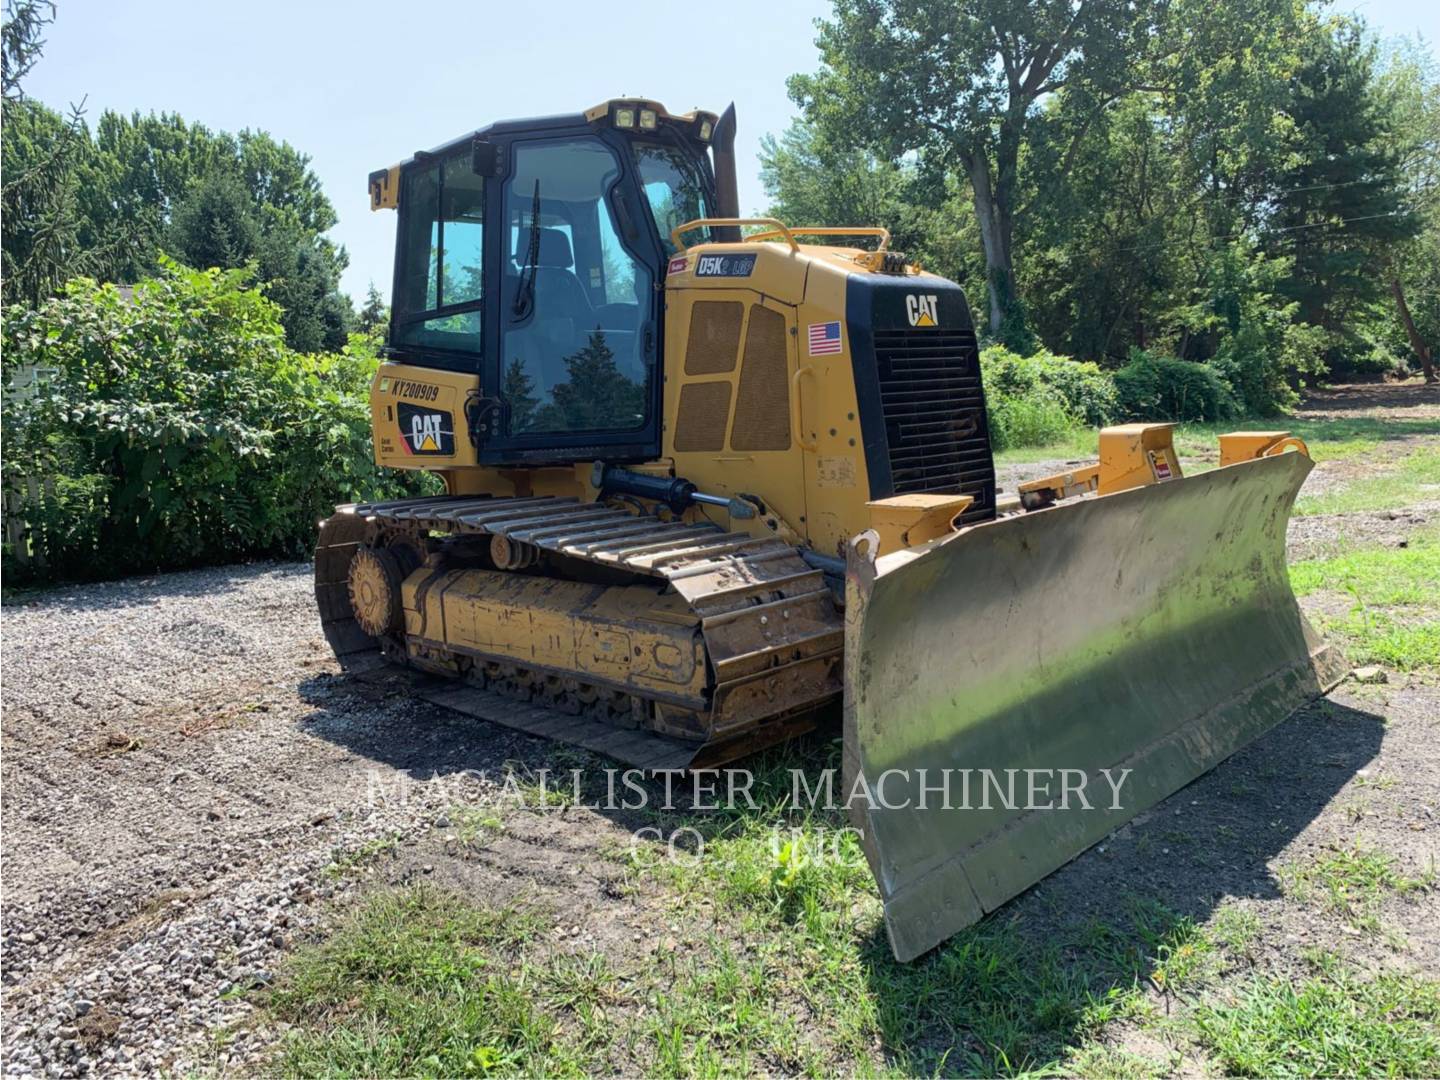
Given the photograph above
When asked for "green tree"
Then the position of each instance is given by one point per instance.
(41, 220)
(214, 224)
(519, 396)
(1410, 88)
(811, 180)
(1341, 204)
(374, 313)
(958, 82)
(107, 206)
(300, 275)
(20, 41)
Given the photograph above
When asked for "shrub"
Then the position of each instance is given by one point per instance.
(1038, 420)
(1039, 399)
(1085, 391)
(174, 428)
(1160, 388)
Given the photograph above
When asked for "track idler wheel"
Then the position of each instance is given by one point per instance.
(374, 584)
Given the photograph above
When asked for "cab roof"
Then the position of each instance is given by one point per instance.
(384, 183)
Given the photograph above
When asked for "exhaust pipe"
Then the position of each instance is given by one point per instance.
(727, 188)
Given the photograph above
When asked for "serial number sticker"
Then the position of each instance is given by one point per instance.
(406, 388)
(835, 472)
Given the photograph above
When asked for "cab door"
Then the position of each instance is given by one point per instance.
(572, 356)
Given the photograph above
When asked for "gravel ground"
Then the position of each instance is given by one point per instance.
(172, 804)
(184, 773)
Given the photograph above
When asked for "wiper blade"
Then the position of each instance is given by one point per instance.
(525, 294)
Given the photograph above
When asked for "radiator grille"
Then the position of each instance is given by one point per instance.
(934, 411)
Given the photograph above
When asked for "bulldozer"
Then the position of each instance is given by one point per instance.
(709, 480)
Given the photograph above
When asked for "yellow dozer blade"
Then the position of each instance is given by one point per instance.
(1153, 630)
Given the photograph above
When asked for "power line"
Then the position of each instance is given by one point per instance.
(1257, 236)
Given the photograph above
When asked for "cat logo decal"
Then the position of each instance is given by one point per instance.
(922, 309)
(426, 431)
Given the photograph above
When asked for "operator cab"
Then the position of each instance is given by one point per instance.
(531, 253)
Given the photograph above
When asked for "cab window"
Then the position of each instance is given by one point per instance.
(674, 188)
(440, 274)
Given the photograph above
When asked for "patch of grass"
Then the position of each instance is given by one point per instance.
(345, 862)
(778, 858)
(1393, 619)
(1235, 930)
(1378, 781)
(1415, 478)
(1333, 1025)
(1076, 444)
(1183, 956)
(1352, 882)
(475, 825)
(1384, 576)
(419, 983)
(996, 999)
(990, 1003)
(718, 1014)
(1112, 1063)
(553, 786)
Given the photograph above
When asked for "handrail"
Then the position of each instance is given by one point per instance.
(832, 230)
(777, 228)
(1290, 442)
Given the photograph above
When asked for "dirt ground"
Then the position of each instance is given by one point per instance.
(190, 789)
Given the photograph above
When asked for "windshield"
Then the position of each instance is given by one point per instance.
(674, 187)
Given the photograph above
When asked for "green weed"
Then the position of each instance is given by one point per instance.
(1235, 930)
(720, 1014)
(475, 825)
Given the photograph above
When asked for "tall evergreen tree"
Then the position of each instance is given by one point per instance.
(214, 225)
(20, 41)
(1343, 199)
(374, 313)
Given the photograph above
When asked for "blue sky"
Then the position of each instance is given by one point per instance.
(361, 84)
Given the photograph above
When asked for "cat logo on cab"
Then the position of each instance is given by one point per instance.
(923, 310)
(426, 431)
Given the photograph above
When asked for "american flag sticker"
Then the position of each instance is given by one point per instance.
(824, 338)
